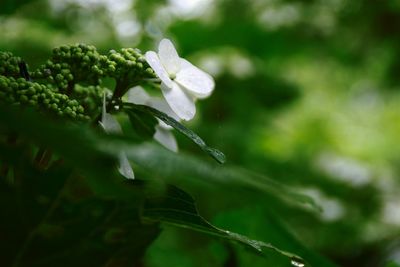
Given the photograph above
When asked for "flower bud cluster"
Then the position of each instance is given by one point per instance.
(21, 92)
(72, 64)
(9, 64)
(90, 97)
(128, 65)
(69, 83)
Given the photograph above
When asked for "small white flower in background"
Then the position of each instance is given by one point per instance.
(111, 125)
(181, 82)
(163, 134)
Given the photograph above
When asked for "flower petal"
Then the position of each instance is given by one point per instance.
(111, 125)
(166, 138)
(180, 102)
(164, 125)
(193, 79)
(169, 57)
(137, 95)
(155, 63)
(108, 122)
(125, 167)
(161, 105)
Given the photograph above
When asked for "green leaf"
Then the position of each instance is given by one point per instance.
(215, 153)
(143, 124)
(185, 169)
(176, 207)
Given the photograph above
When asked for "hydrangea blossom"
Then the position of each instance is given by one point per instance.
(111, 125)
(181, 82)
(163, 133)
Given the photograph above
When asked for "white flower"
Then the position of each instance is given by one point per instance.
(111, 125)
(163, 134)
(181, 82)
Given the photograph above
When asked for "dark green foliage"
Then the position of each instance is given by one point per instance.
(70, 216)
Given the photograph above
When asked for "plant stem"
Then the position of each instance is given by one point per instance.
(42, 158)
(121, 88)
(23, 71)
(70, 88)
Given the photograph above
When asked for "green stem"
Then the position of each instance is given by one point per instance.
(121, 88)
(70, 88)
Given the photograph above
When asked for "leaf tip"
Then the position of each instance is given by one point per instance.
(217, 155)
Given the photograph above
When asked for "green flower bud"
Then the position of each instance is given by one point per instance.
(31, 90)
(32, 102)
(23, 99)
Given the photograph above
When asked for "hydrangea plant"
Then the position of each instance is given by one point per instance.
(64, 127)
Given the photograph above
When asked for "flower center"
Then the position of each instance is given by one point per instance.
(172, 76)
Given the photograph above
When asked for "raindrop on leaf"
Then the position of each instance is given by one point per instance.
(297, 262)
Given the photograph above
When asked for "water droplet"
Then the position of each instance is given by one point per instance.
(297, 262)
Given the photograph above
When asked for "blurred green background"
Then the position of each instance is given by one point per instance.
(307, 93)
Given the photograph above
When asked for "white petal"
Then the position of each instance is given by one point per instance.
(179, 101)
(155, 63)
(137, 95)
(166, 138)
(169, 57)
(125, 167)
(111, 125)
(103, 109)
(161, 105)
(164, 125)
(193, 79)
(108, 122)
